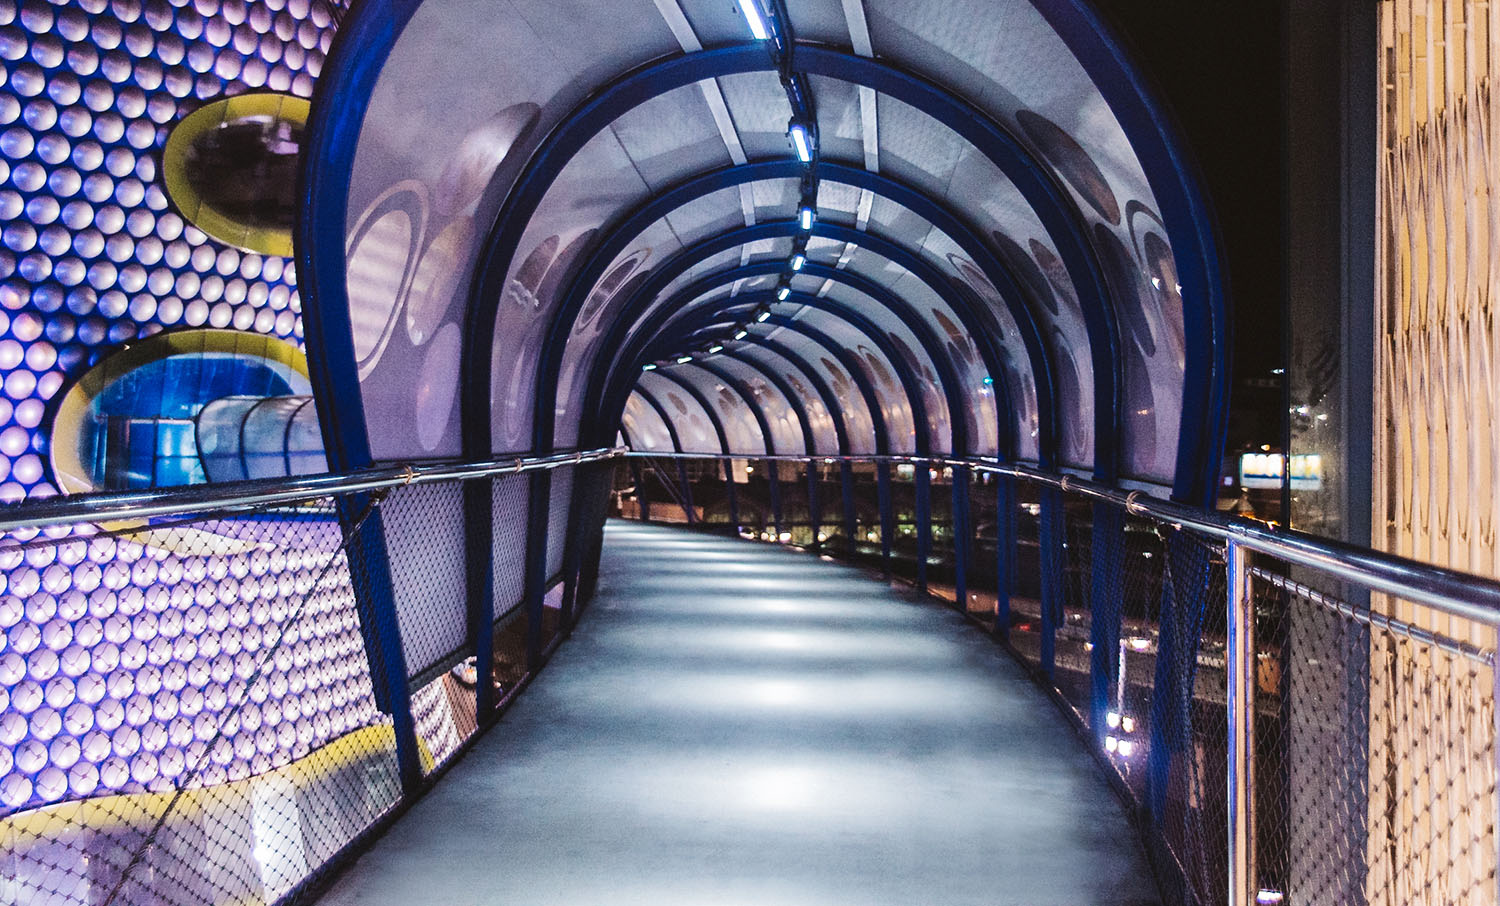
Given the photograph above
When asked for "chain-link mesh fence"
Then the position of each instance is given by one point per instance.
(214, 709)
(1374, 730)
(1374, 770)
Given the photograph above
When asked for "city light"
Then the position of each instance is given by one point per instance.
(798, 261)
(782, 293)
(649, 366)
(806, 218)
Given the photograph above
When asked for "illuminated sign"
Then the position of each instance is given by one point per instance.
(1263, 470)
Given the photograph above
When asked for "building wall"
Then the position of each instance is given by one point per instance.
(1437, 452)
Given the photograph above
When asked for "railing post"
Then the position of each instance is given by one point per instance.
(923, 475)
(887, 518)
(1239, 669)
(851, 514)
(734, 503)
(643, 505)
(773, 474)
(963, 537)
(1106, 593)
(1052, 564)
(687, 492)
(1005, 551)
(814, 508)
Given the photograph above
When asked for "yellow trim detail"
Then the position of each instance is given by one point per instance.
(226, 229)
(132, 810)
(67, 424)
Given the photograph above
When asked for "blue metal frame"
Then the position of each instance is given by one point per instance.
(923, 441)
(718, 426)
(953, 394)
(705, 249)
(687, 491)
(872, 402)
(1036, 182)
(768, 440)
(970, 312)
(1191, 226)
(840, 425)
(340, 101)
(800, 410)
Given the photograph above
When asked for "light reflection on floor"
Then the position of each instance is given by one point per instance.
(737, 723)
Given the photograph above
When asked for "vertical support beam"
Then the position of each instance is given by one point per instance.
(729, 492)
(589, 485)
(1052, 564)
(374, 597)
(887, 517)
(538, 517)
(478, 497)
(1105, 605)
(773, 474)
(687, 492)
(1005, 552)
(963, 537)
(641, 500)
(922, 472)
(1239, 662)
(814, 505)
(851, 514)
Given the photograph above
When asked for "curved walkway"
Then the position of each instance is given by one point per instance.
(734, 723)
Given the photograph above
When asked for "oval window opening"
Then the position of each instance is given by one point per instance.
(231, 169)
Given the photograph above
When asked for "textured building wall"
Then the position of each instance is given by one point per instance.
(1437, 452)
(92, 252)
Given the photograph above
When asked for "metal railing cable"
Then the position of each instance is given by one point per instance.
(1296, 719)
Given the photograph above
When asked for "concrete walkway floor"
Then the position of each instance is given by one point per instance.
(734, 723)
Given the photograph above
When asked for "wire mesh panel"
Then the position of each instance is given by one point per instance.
(189, 713)
(557, 518)
(508, 561)
(424, 537)
(1374, 767)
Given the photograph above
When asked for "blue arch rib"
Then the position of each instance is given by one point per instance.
(972, 314)
(602, 374)
(798, 409)
(1190, 223)
(661, 413)
(820, 387)
(988, 350)
(367, 36)
(701, 400)
(910, 385)
(947, 378)
(1034, 180)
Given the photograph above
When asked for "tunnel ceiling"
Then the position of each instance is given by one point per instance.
(532, 225)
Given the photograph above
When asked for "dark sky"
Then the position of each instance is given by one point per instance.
(1218, 66)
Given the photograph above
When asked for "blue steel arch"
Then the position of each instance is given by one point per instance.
(985, 341)
(1036, 183)
(603, 374)
(701, 400)
(619, 239)
(369, 32)
(661, 411)
(947, 378)
(793, 400)
(815, 380)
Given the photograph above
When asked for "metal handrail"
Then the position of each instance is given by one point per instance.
(189, 499)
(1455, 593)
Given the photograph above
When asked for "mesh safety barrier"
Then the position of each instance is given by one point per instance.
(219, 708)
(1372, 760)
